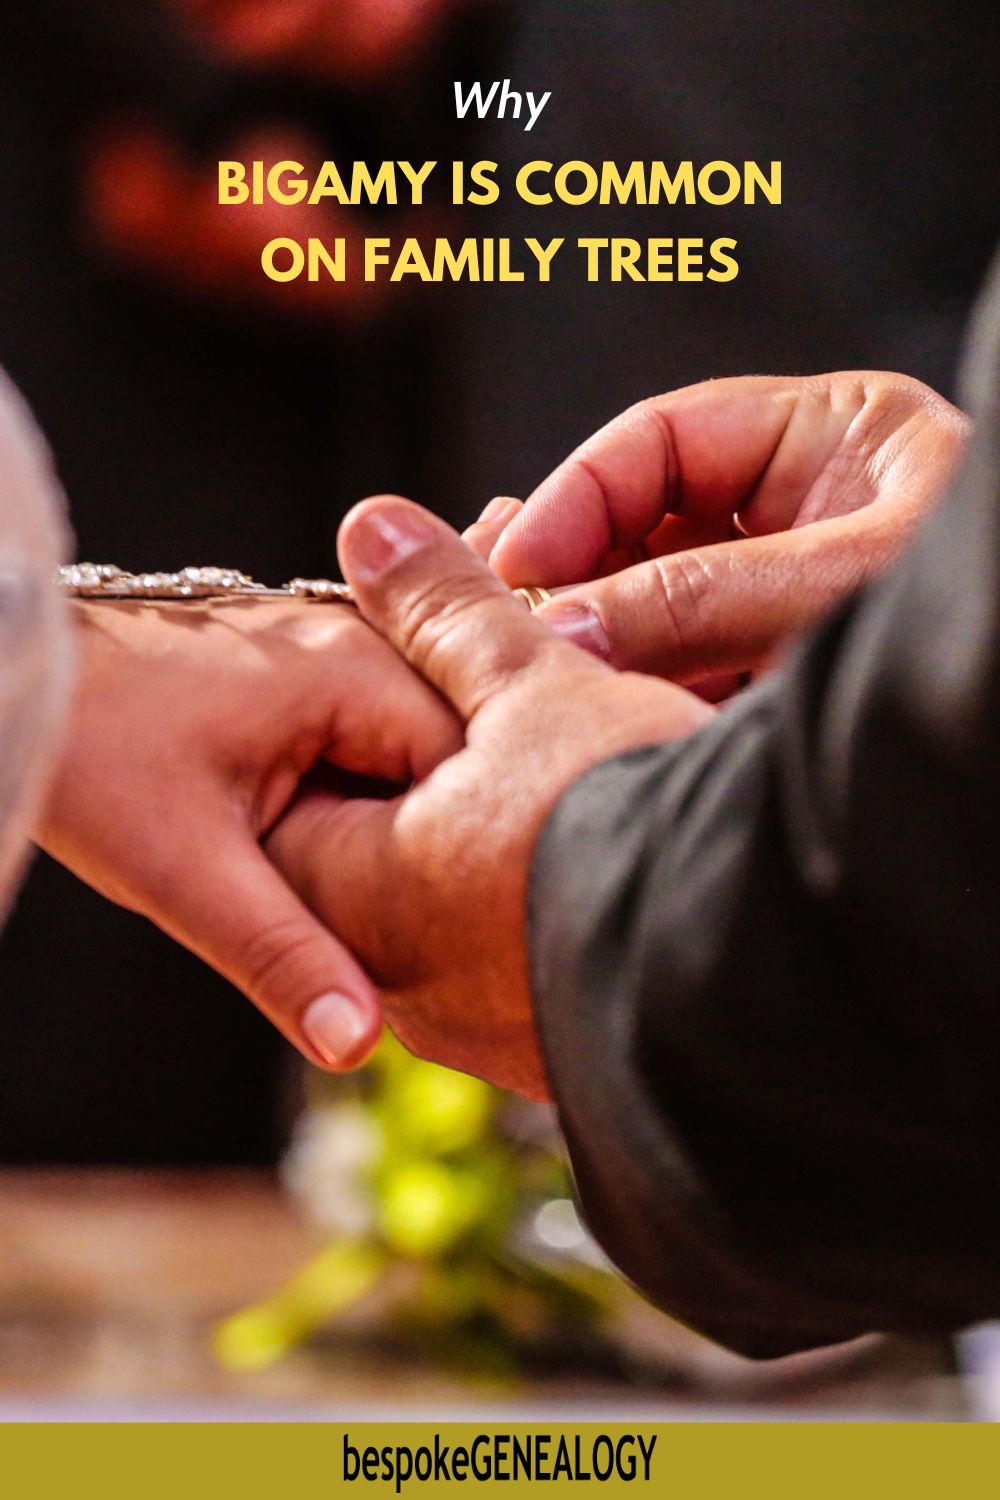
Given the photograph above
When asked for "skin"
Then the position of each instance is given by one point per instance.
(428, 890)
(828, 475)
(219, 714)
(191, 731)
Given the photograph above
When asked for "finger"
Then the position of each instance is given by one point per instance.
(483, 535)
(386, 724)
(755, 445)
(232, 907)
(438, 603)
(705, 446)
(721, 609)
(347, 861)
(339, 856)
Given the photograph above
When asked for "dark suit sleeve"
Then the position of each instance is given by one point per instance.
(766, 965)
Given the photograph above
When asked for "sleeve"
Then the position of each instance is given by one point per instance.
(766, 966)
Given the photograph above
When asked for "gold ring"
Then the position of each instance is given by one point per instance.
(534, 596)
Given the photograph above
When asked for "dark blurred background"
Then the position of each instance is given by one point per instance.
(200, 414)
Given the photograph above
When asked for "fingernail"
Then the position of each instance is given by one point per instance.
(499, 508)
(579, 624)
(379, 539)
(339, 1030)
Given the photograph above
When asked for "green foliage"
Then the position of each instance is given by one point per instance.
(446, 1194)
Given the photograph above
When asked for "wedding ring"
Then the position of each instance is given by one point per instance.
(534, 596)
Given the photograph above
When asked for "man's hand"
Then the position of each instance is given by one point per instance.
(827, 476)
(192, 729)
(429, 891)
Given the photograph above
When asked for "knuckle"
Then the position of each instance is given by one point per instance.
(590, 486)
(658, 412)
(446, 624)
(276, 952)
(432, 615)
(647, 428)
(891, 398)
(683, 584)
(932, 405)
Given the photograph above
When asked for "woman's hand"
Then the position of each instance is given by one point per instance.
(827, 476)
(429, 891)
(192, 729)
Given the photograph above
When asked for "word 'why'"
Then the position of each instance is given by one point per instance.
(484, 102)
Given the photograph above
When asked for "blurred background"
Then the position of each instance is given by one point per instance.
(184, 1216)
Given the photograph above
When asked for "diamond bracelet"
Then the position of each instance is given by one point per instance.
(95, 581)
(105, 581)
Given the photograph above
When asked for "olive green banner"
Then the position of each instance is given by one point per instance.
(842, 1461)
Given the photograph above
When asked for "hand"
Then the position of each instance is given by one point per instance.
(192, 728)
(428, 891)
(827, 475)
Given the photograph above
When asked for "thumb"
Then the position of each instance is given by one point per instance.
(722, 608)
(439, 604)
(238, 914)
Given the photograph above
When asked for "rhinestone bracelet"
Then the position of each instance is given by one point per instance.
(96, 581)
